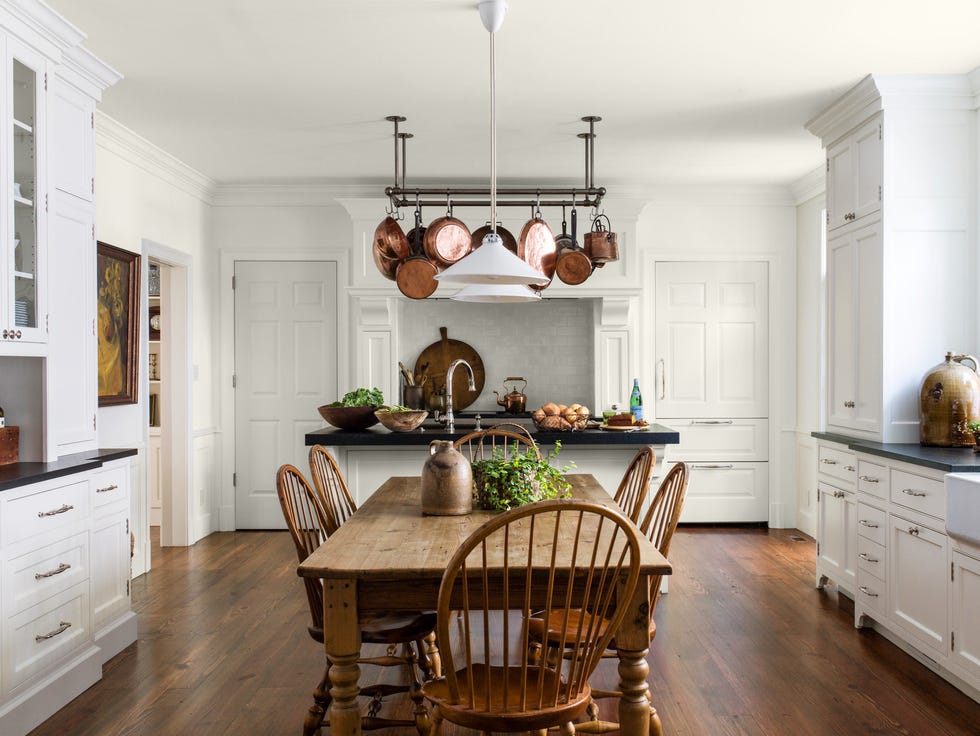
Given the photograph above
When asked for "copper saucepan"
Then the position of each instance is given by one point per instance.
(573, 266)
(537, 248)
(390, 247)
(415, 276)
(447, 239)
(600, 244)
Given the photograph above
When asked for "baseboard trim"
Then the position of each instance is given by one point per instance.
(115, 637)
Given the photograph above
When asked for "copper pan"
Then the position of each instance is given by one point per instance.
(415, 276)
(447, 240)
(390, 247)
(572, 266)
(510, 242)
(537, 248)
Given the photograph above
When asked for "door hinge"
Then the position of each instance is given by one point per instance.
(93, 326)
(234, 381)
(232, 283)
(879, 131)
(47, 323)
(93, 232)
(828, 164)
(127, 587)
(45, 81)
(127, 526)
(828, 217)
(93, 421)
(45, 202)
(879, 192)
(818, 549)
(93, 185)
(952, 571)
(93, 121)
(952, 640)
(234, 479)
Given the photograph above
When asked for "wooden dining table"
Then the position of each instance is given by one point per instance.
(388, 557)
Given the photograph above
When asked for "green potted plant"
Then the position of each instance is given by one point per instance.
(502, 483)
(975, 428)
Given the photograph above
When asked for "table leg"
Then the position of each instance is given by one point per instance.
(342, 641)
(636, 716)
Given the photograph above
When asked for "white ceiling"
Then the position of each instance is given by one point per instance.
(691, 91)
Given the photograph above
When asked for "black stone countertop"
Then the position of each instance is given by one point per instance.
(947, 459)
(22, 474)
(378, 436)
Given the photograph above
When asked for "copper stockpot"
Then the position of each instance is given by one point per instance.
(949, 401)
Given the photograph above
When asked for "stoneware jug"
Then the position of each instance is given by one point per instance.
(447, 481)
(948, 402)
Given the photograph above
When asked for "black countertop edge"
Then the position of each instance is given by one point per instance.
(947, 459)
(655, 434)
(16, 475)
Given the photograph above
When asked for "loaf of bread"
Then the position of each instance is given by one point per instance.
(621, 420)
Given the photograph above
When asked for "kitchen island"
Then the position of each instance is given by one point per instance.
(368, 457)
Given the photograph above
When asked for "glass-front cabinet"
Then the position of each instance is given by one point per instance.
(23, 312)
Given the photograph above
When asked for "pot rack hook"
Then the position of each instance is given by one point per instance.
(449, 203)
(537, 207)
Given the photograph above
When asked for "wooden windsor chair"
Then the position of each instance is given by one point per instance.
(658, 526)
(635, 485)
(307, 521)
(555, 555)
(482, 445)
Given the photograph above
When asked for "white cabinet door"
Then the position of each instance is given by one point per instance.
(72, 381)
(965, 646)
(712, 339)
(854, 175)
(836, 536)
(110, 568)
(72, 141)
(918, 571)
(286, 366)
(854, 321)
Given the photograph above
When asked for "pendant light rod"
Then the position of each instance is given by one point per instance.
(493, 137)
(396, 119)
(591, 120)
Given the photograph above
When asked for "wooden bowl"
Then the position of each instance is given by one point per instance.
(349, 417)
(401, 421)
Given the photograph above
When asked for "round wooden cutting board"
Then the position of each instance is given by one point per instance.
(439, 355)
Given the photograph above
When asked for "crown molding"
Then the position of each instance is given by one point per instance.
(297, 194)
(87, 72)
(116, 138)
(38, 24)
(810, 185)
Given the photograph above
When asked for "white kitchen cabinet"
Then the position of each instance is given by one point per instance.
(836, 537)
(964, 604)
(887, 260)
(23, 193)
(72, 140)
(854, 175)
(854, 279)
(918, 602)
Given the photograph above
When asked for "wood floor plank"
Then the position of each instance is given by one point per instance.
(745, 646)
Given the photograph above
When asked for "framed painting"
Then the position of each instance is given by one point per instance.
(118, 324)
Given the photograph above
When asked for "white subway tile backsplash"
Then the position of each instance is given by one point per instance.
(550, 343)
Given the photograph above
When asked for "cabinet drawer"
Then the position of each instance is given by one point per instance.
(838, 464)
(63, 508)
(918, 492)
(721, 439)
(38, 575)
(872, 558)
(44, 634)
(110, 485)
(872, 524)
(870, 594)
(873, 479)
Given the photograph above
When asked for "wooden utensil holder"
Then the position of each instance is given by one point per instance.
(9, 445)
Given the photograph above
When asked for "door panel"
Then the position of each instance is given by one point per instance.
(285, 366)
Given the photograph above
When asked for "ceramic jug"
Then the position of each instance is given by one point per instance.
(948, 402)
(447, 481)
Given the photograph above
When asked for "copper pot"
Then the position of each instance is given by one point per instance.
(537, 248)
(447, 240)
(506, 236)
(949, 401)
(573, 265)
(415, 276)
(390, 247)
(600, 244)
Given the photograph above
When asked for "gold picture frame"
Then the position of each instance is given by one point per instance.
(117, 324)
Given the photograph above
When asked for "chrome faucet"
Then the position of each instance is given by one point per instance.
(448, 417)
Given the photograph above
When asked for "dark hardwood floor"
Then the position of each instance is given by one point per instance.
(745, 645)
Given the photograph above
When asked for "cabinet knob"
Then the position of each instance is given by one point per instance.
(849, 404)
(839, 494)
(18, 334)
(5, 333)
(914, 531)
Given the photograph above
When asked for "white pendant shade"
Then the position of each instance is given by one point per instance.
(492, 263)
(496, 293)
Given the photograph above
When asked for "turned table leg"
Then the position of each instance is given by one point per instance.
(633, 642)
(342, 641)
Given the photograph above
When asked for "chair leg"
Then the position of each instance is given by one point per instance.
(436, 721)
(567, 729)
(432, 656)
(422, 722)
(321, 704)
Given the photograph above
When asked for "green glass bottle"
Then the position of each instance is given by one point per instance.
(636, 401)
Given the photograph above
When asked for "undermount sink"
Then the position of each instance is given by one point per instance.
(963, 506)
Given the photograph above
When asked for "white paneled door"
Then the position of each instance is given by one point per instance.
(712, 339)
(285, 367)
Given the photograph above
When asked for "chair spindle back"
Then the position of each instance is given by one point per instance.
(633, 489)
(481, 445)
(660, 523)
(331, 488)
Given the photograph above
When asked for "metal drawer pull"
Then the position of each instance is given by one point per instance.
(63, 509)
(827, 461)
(60, 630)
(849, 468)
(57, 571)
(864, 589)
(715, 466)
(911, 492)
(106, 489)
(849, 404)
(914, 531)
(865, 522)
(712, 421)
(868, 558)
(868, 478)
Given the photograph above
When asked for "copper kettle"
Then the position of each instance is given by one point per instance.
(949, 401)
(515, 401)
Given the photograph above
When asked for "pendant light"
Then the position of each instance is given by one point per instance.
(492, 263)
(496, 293)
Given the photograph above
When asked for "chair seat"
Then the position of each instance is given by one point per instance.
(524, 716)
(396, 628)
(556, 621)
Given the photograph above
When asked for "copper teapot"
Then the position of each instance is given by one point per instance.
(515, 401)
(949, 401)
